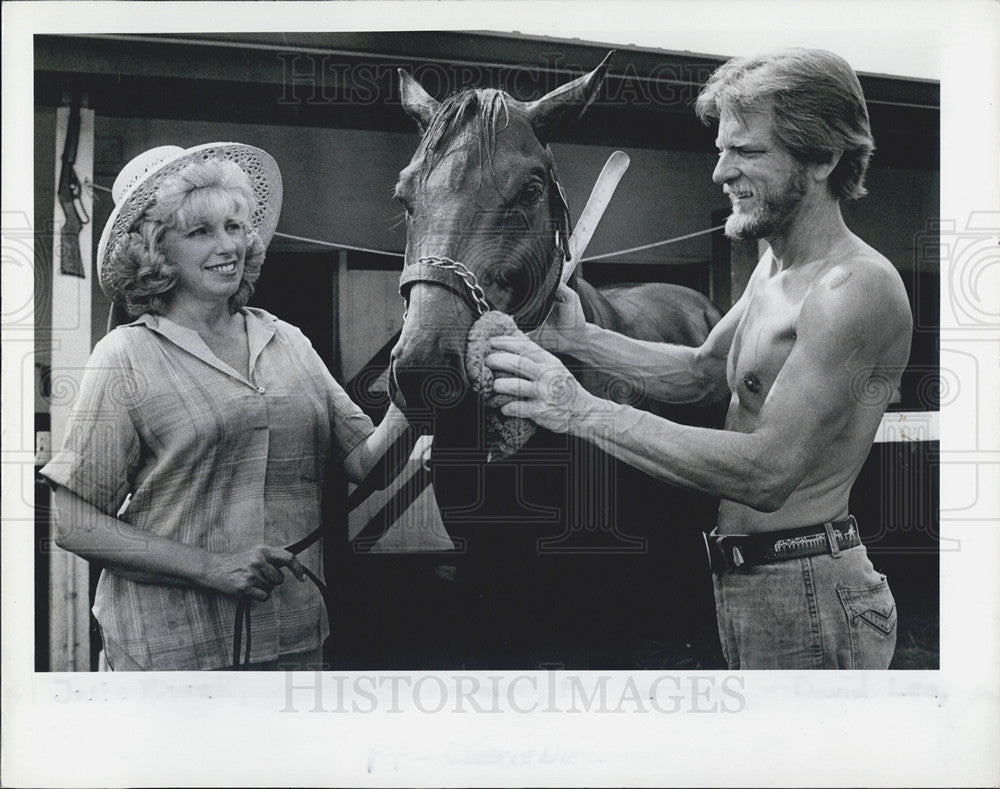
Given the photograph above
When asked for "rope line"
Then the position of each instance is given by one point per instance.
(603, 255)
(650, 246)
(372, 251)
(339, 246)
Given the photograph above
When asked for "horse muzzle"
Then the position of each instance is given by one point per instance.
(426, 379)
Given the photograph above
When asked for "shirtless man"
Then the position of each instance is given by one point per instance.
(811, 355)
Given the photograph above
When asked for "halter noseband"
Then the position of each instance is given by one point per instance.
(450, 274)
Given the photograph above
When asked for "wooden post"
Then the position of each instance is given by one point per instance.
(69, 575)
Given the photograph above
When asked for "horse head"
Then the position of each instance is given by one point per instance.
(487, 225)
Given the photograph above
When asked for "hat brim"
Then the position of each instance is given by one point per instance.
(260, 167)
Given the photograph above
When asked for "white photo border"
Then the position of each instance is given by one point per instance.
(791, 728)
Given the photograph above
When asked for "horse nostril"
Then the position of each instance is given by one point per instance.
(453, 360)
(397, 350)
(432, 385)
(408, 383)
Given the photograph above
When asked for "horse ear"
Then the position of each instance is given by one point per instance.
(417, 102)
(567, 102)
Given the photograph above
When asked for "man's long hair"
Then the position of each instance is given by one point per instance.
(816, 103)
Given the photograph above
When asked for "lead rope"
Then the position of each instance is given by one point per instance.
(242, 624)
(381, 475)
(242, 620)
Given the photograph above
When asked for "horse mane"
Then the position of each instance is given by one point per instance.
(487, 107)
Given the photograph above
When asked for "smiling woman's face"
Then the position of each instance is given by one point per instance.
(207, 250)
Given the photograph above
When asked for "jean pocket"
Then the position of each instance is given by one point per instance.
(871, 619)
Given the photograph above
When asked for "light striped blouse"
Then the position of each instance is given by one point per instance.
(212, 459)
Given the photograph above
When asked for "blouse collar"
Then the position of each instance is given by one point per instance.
(261, 327)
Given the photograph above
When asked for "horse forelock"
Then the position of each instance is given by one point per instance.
(487, 108)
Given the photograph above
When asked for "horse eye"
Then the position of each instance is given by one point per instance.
(530, 194)
(513, 279)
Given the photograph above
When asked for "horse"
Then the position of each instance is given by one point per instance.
(556, 560)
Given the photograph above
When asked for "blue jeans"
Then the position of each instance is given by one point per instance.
(820, 612)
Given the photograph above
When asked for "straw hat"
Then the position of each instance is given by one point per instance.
(136, 186)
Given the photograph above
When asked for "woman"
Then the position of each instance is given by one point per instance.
(202, 431)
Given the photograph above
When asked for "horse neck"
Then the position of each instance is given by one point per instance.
(596, 309)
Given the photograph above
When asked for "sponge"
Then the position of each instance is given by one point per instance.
(505, 435)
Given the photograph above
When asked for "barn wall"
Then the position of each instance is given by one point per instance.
(338, 187)
(896, 212)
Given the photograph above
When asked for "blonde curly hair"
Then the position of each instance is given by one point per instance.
(137, 273)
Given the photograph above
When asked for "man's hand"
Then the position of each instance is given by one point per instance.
(253, 572)
(548, 393)
(563, 330)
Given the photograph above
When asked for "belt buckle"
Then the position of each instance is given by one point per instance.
(716, 556)
(730, 562)
(735, 560)
(737, 556)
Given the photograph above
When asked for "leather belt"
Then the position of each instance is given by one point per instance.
(728, 552)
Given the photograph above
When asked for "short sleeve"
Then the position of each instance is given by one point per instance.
(349, 425)
(101, 448)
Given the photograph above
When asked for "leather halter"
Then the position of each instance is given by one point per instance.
(456, 276)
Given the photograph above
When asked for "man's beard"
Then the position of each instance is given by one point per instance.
(772, 214)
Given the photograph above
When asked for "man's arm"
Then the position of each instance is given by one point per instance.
(670, 373)
(843, 331)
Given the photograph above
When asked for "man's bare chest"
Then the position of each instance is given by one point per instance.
(763, 341)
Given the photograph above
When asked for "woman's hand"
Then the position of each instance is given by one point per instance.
(564, 328)
(146, 558)
(253, 572)
(548, 393)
